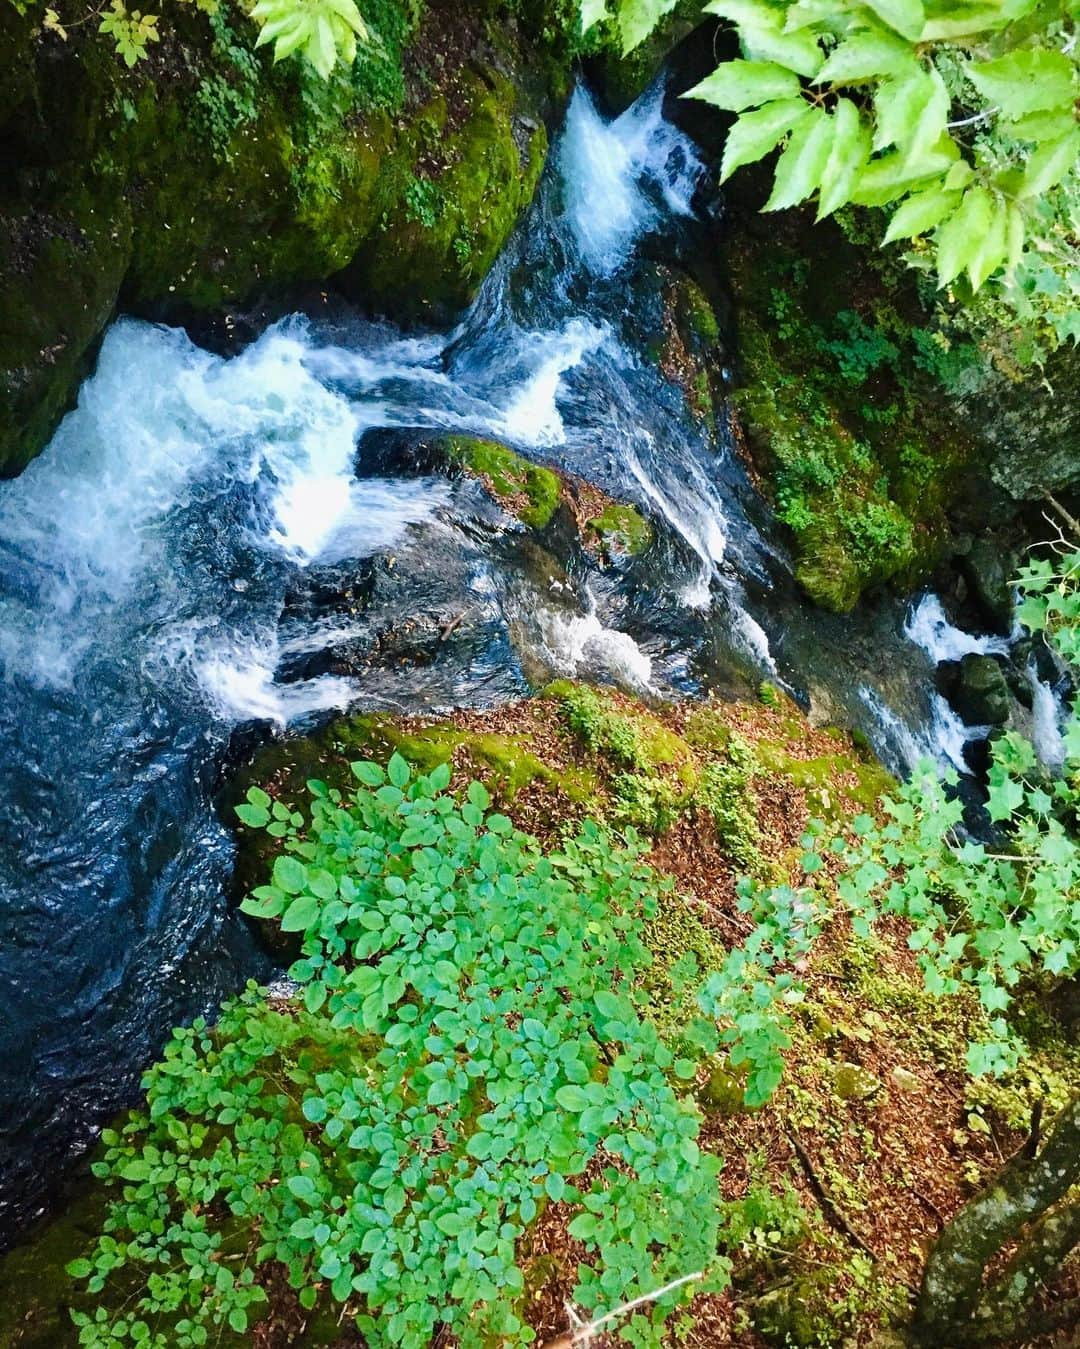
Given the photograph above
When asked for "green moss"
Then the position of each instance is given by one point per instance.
(621, 529)
(431, 263)
(726, 793)
(528, 491)
(859, 450)
(35, 1291)
(635, 740)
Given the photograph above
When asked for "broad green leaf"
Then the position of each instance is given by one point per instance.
(638, 18)
(911, 113)
(1044, 126)
(572, 1098)
(301, 914)
(398, 771)
(958, 238)
(847, 157)
(756, 133)
(906, 17)
(370, 774)
(736, 85)
(253, 816)
(868, 55)
(1050, 164)
(891, 176)
(965, 21)
(1030, 80)
(992, 249)
(290, 874)
(922, 212)
(800, 167)
(592, 13)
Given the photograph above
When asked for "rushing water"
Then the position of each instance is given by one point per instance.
(210, 543)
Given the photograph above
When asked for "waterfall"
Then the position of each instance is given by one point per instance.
(211, 542)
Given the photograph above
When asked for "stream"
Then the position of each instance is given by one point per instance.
(213, 550)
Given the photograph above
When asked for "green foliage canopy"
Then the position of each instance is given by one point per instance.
(959, 121)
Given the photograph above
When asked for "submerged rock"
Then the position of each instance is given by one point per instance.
(981, 691)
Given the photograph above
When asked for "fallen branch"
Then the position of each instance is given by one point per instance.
(828, 1206)
(583, 1332)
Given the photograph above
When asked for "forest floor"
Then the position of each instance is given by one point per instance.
(877, 1134)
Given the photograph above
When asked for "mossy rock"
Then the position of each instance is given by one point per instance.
(856, 441)
(60, 274)
(527, 491)
(36, 1293)
(437, 241)
(620, 530)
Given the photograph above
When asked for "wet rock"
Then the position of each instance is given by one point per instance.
(988, 569)
(981, 691)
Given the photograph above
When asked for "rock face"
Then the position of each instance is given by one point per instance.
(1033, 439)
(207, 177)
(981, 692)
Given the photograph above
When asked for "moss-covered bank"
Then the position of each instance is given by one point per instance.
(207, 177)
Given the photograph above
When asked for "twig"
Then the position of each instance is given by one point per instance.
(583, 1333)
(1070, 520)
(925, 1198)
(833, 1215)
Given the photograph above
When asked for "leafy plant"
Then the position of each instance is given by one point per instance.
(324, 31)
(466, 1049)
(959, 121)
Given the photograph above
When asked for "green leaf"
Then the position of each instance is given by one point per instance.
(756, 133)
(958, 238)
(238, 1320)
(254, 816)
(638, 18)
(439, 777)
(314, 1108)
(847, 157)
(797, 51)
(922, 212)
(1050, 164)
(911, 113)
(290, 875)
(1029, 80)
(80, 1269)
(992, 248)
(737, 85)
(572, 1098)
(398, 771)
(478, 795)
(906, 17)
(301, 914)
(800, 167)
(866, 56)
(370, 774)
(592, 13)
